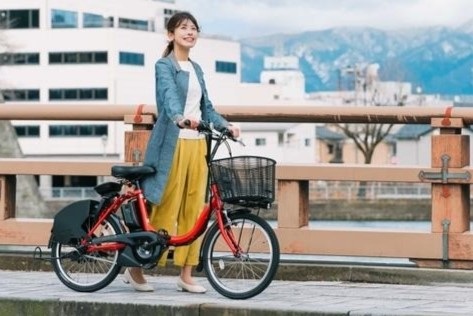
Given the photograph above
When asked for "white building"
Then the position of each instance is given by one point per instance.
(103, 52)
(285, 72)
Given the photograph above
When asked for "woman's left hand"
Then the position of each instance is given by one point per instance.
(235, 130)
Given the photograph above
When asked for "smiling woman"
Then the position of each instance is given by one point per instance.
(176, 150)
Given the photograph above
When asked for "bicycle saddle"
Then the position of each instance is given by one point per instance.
(131, 172)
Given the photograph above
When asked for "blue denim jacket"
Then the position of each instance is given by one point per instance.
(171, 92)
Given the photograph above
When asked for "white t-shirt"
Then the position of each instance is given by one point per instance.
(192, 107)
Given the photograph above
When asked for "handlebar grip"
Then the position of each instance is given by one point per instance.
(204, 127)
(229, 134)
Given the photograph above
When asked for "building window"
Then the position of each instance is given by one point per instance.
(19, 59)
(27, 130)
(78, 58)
(133, 24)
(330, 148)
(226, 67)
(307, 142)
(19, 19)
(127, 58)
(78, 130)
(20, 95)
(96, 20)
(260, 141)
(78, 94)
(168, 13)
(63, 19)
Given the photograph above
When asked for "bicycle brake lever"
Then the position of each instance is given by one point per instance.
(241, 142)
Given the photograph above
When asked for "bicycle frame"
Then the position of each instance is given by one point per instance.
(214, 206)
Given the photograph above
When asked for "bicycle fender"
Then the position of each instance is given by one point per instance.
(68, 222)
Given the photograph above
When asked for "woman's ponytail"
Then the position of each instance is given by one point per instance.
(169, 48)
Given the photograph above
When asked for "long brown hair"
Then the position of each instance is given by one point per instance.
(174, 23)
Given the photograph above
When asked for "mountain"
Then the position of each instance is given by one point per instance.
(437, 59)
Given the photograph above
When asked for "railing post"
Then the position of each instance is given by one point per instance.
(450, 201)
(137, 139)
(293, 203)
(7, 196)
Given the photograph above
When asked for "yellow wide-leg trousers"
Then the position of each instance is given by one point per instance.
(183, 198)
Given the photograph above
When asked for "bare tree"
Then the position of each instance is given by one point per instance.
(367, 137)
(370, 91)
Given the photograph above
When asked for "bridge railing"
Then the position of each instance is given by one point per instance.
(449, 243)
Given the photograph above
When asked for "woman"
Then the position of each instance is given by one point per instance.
(177, 151)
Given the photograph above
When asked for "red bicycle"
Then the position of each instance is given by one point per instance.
(91, 240)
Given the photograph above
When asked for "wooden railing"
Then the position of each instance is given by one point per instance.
(449, 243)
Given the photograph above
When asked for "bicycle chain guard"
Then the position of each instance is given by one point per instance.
(143, 248)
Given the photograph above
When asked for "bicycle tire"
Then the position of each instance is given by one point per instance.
(248, 275)
(86, 272)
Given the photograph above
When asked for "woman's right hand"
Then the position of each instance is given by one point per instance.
(188, 123)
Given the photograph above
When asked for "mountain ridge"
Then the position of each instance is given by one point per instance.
(437, 59)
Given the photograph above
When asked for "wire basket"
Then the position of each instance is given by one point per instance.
(245, 180)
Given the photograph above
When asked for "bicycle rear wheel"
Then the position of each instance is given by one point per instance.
(252, 270)
(86, 272)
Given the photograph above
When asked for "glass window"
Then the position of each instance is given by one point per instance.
(101, 130)
(55, 58)
(260, 142)
(19, 59)
(101, 94)
(78, 94)
(19, 19)
(101, 57)
(86, 94)
(78, 130)
(32, 59)
(71, 94)
(133, 24)
(128, 58)
(78, 58)
(97, 20)
(20, 95)
(85, 58)
(55, 94)
(27, 130)
(63, 19)
(71, 58)
(226, 67)
(32, 94)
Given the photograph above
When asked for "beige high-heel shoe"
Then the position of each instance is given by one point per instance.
(191, 288)
(140, 287)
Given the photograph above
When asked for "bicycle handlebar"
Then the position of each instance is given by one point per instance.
(207, 128)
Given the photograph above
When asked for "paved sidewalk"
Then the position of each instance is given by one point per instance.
(41, 293)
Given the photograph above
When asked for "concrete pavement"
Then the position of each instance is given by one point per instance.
(41, 293)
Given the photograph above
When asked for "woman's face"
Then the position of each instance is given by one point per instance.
(184, 35)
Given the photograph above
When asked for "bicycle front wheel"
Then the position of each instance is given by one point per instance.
(250, 271)
(86, 272)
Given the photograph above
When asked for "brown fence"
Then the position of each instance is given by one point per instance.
(449, 243)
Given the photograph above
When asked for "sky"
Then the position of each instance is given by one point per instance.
(239, 19)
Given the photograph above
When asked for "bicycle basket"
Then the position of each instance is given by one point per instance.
(245, 180)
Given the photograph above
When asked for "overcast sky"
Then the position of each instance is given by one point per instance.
(247, 18)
